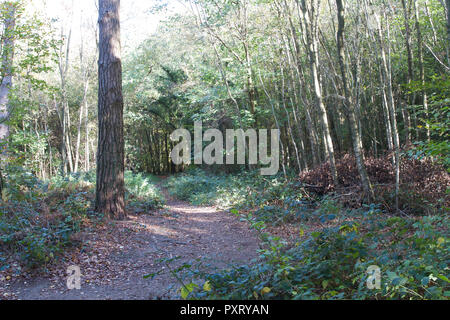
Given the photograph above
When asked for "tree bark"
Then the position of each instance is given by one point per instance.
(87, 165)
(421, 67)
(309, 16)
(448, 31)
(387, 87)
(110, 153)
(66, 152)
(299, 71)
(83, 112)
(7, 66)
(356, 138)
(80, 122)
(410, 75)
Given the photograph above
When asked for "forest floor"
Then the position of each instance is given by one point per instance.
(114, 259)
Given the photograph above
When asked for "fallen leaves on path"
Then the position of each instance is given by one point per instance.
(115, 256)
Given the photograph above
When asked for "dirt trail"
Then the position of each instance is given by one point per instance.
(113, 262)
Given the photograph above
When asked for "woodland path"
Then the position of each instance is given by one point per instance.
(114, 261)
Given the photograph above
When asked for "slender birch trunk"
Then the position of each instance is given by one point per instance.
(356, 138)
(421, 67)
(7, 73)
(309, 18)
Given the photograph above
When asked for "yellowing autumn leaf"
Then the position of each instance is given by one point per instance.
(207, 286)
(184, 293)
(265, 290)
(301, 232)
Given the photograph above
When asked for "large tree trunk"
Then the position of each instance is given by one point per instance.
(7, 64)
(110, 153)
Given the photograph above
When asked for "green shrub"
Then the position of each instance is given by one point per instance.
(21, 185)
(141, 192)
(242, 190)
(38, 219)
(332, 263)
(195, 186)
(37, 238)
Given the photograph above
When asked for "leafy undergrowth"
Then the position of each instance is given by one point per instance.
(245, 190)
(334, 246)
(39, 220)
(333, 263)
(142, 195)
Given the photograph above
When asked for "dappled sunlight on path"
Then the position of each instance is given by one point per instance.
(114, 262)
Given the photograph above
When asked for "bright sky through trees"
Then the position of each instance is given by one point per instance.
(139, 18)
